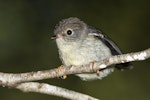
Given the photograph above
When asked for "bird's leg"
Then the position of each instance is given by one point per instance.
(92, 64)
(59, 69)
(98, 72)
(63, 77)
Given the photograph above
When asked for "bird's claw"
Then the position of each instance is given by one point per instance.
(97, 71)
(59, 69)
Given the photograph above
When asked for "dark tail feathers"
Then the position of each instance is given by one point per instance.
(123, 66)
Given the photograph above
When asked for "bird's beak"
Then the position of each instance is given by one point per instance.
(54, 37)
(57, 36)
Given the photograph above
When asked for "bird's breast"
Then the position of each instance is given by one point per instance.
(73, 55)
(78, 53)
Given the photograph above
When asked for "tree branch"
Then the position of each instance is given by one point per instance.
(52, 90)
(18, 80)
(11, 78)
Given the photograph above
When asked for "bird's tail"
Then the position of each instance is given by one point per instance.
(123, 66)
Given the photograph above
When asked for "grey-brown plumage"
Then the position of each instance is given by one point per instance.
(80, 44)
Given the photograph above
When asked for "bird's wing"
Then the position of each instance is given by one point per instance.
(110, 44)
(106, 40)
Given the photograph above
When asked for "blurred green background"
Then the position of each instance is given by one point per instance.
(25, 45)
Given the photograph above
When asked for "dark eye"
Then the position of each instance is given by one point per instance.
(69, 32)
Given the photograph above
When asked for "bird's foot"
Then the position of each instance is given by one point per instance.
(92, 64)
(59, 69)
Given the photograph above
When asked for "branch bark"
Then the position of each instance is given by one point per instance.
(23, 82)
(52, 90)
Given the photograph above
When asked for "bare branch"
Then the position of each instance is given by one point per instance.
(52, 90)
(21, 80)
(11, 79)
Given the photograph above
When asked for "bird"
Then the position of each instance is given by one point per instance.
(79, 44)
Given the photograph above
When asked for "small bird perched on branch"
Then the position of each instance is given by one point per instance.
(79, 44)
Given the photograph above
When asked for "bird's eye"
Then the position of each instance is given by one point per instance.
(69, 32)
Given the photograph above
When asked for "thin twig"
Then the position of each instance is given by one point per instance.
(53, 90)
